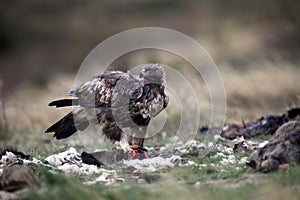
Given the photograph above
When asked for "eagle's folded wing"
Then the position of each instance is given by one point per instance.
(109, 88)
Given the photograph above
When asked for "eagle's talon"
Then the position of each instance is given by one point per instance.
(137, 152)
(139, 148)
(126, 150)
(117, 148)
(134, 146)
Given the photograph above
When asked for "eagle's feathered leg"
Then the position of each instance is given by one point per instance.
(124, 143)
(109, 127)
(112, 131)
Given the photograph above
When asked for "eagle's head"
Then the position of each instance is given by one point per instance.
(153, 73)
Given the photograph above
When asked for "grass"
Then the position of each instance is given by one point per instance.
(290, 176)
(234, 181)
(277, 185)
(261, 138)
(190, 182)
(178, 183)
(59, 186)
(3, 133)
(244, 192)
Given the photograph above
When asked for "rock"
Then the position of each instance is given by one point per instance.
(294, 114)
(16, 177)
(230, 131)
(68, 156)
(150, 178)
(240, 144)
(263, 126)
(129, 169)
(109, 177)
(262, 144)
(70, 161)
(283, 148)
(157, 163)
(8, 159)
(13, 150)
(193, 145)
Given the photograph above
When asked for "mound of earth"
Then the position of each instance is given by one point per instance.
(282, 149)
(266, 125)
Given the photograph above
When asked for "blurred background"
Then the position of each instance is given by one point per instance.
(255, 45)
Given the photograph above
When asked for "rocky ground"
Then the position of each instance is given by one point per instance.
(234, 153)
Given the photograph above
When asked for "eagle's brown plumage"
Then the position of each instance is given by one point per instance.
(115, 100)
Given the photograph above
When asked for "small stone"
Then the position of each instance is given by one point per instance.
(283, 166)
(262, 144)
(150, 178)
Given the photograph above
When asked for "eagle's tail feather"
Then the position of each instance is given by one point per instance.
(65, 127)
(64, 102)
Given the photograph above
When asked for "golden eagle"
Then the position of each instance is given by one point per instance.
(115, 100)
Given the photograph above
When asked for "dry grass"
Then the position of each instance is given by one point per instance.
(261, 89)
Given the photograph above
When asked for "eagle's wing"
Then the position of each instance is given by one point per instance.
(109, 88)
